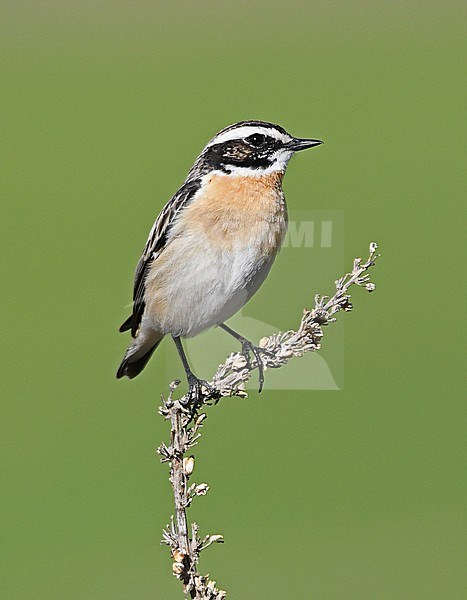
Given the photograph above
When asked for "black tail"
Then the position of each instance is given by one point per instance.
(127, 324)
(132, 366)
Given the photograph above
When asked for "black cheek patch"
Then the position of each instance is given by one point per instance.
(251, 162)
(236, 154)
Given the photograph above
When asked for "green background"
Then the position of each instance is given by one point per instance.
(352, 494)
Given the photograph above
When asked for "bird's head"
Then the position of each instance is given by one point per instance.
(252, 148)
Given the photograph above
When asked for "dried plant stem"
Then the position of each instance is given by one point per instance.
(229, 380)
(179, 481)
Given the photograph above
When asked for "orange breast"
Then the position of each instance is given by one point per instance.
(232, 210)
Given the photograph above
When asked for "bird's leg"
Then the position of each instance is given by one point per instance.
(248, 347)
(194, 384)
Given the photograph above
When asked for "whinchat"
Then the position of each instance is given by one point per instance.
(213, 244)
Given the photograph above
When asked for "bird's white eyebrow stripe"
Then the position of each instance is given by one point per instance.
(243, 132)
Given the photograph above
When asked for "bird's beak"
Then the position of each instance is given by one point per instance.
(301, 144)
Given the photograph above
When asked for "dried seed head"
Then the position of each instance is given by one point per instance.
(174, 385)
(370, 287)
(189, 464)
(200, 419)
(178, 556)
(201, 489)
(373, 247)
(178, 568)
(346, 304)
(239, 362)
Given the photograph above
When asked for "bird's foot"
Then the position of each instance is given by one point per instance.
(195, 394)
(257, 352)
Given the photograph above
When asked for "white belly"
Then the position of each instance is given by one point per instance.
(195, 285)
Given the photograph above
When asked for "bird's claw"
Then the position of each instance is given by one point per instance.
(195, 392)
(248, 347)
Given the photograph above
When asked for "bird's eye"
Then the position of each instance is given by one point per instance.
(257, 139)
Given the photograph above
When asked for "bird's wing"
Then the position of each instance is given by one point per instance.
(157, 241)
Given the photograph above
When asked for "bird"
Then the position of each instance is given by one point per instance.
(212, 245)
